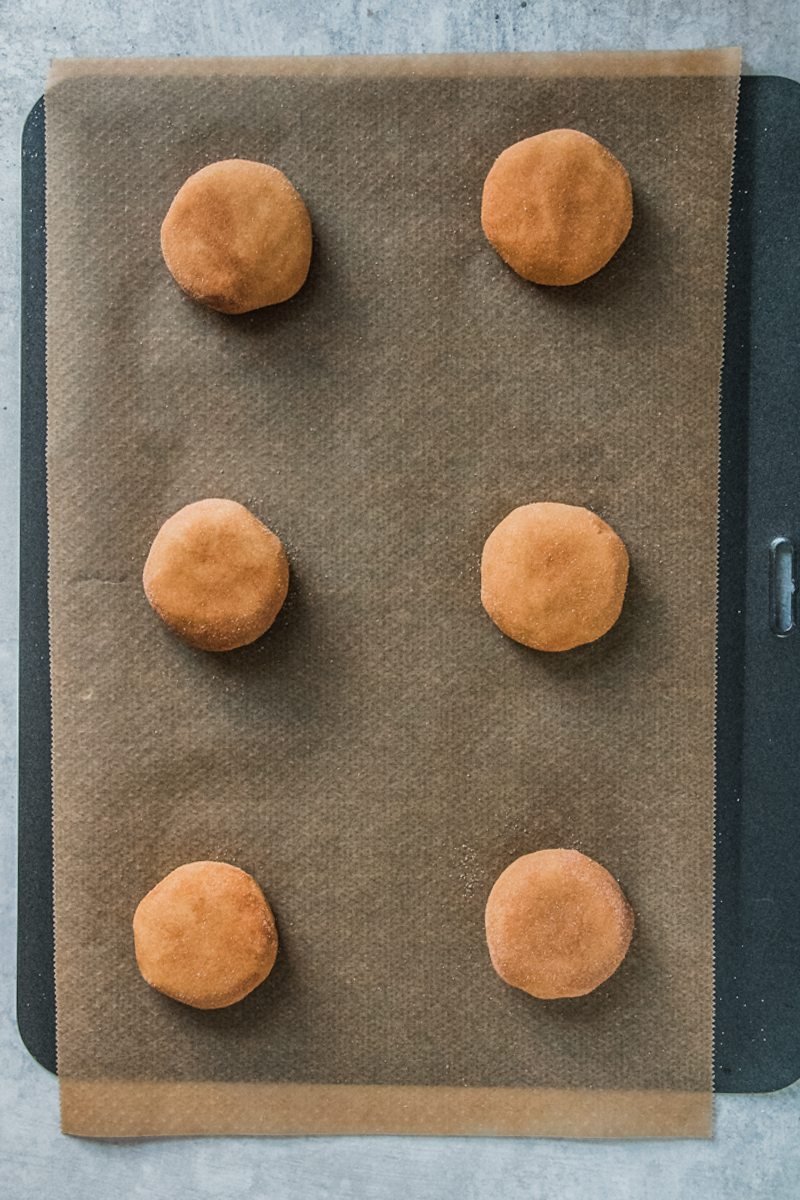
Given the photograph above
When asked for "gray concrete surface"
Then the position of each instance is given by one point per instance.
(756, 1149)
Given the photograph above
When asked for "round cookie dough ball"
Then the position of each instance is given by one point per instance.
(556, 207)
(553, 576)
(215, 575)
(237, 236)
(205, 935)
(557, 924)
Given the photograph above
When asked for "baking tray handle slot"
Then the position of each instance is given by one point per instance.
(782, 592)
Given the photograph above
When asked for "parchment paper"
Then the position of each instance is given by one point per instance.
(384, 752)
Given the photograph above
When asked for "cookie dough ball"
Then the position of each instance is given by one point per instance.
(557, 924)
(553, 576)
(237, 236)
(215, 575)
(205, 935)
(556, 207)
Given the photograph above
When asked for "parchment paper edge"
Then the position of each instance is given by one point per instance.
(722, 61)
(131, 1109)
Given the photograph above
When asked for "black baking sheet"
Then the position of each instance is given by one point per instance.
(757, 1046)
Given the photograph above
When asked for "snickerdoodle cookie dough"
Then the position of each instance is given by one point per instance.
(216, 575)
(205, 935)
(557, 206)
(553, 576)
(557, 924)
(237, 236)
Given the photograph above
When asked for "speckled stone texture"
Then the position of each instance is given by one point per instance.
(756, 1150)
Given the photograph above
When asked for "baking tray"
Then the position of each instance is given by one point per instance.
(757, 900)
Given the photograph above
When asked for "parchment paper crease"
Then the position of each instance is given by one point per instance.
(384, 752)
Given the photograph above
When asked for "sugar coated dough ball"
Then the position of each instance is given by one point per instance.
(557, 924)
(237, 236)
(557, 206)
(215, 575)
(205, 935)
(553, 576)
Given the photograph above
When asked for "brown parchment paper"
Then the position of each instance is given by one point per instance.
(379, 757)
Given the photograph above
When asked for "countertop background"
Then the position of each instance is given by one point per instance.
(756, 1148)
